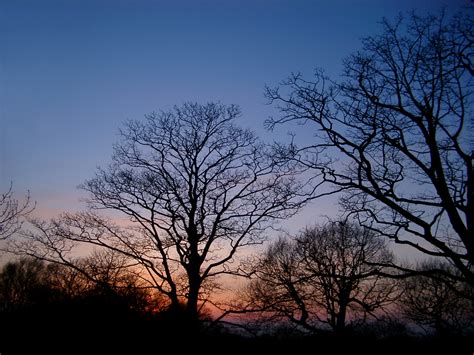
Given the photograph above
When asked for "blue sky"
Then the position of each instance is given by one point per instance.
(72, 71)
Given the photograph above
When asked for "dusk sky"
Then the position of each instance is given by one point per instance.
(71, 72)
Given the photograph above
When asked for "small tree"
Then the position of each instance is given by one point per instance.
(22, 283)
(327, 275)
(196, 189)
(103, 275)
(433, 303)
(395, 134)
(38, 299)
(12, 213)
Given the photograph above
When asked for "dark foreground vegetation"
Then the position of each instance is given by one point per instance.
(72, 329)
(52, 310)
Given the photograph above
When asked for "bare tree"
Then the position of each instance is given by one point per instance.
(327, 275)
(432, 302)
(112, 276)
(20, 282)
(394, 134)
(12, 213)
(196, 189)
(104, 275)
(38, 299)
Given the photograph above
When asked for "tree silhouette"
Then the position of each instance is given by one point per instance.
(21, 284)
(327, 275)
(105, 275)
(39, 299)
(434, 304)
(394, 134)
(196, 190)
(12, 213)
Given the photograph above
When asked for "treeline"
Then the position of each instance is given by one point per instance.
(319, 288)
(335, 277)
(51, 308)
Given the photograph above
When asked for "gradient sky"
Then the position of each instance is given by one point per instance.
(71, 71)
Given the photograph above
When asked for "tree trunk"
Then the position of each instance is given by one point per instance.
(341, 318)
(341, 315)
(191, 311)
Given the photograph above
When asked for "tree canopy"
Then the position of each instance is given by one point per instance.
(196, 189)
(393, 136)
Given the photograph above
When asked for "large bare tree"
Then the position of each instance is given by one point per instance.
(196, 189)
(395, 134)
(326, 275)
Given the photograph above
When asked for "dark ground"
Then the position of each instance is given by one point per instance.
(79, 332)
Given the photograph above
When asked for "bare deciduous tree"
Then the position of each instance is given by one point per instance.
(20, 282)
(196, 189)
(394, 135)
(104, 275)
(12, 213)
(433, 303)
(327, 275)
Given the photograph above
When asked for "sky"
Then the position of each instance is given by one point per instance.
(72, 71)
